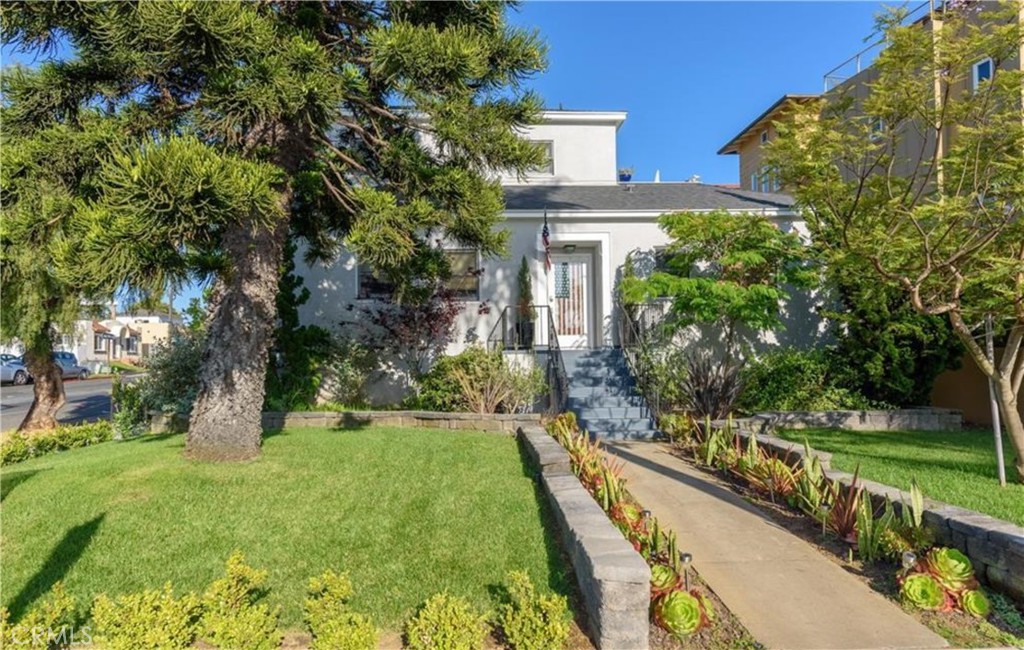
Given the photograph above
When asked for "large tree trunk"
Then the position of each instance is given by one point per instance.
(47, 392)
(225, 422)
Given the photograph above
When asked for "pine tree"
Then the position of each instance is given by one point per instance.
(364, 124)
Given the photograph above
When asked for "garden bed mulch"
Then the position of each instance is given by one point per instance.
(1004, 627)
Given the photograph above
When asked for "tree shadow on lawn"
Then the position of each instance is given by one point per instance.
(62, 558)
(10, 480)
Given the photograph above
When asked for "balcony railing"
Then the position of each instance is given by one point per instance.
(862, 59)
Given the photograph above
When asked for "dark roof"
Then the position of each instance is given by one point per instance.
(642, 196)
(782, 102)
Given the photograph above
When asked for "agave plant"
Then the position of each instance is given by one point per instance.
(681, 613)
(873, 531)
(950, 568)
(922, 591)
(975, 603)
(664, 579)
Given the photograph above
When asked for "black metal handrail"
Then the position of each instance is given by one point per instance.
(532, 329)
(636, 321)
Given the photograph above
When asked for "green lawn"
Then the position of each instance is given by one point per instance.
(407, 512)
(954, 467)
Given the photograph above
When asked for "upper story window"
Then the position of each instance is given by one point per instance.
(753, 182)
(465, 273)
(981, 71)
(877, 128)
(764, 136)
(372, 287)
(548, 166)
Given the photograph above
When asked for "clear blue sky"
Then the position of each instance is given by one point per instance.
(690, 74)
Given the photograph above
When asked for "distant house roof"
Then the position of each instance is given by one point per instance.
(642, 196)
(762, 121)
(99, 328)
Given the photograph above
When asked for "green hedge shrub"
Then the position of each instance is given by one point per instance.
(329, 619)
(150, 620)
(446, 622)
(530, 621)
(233, 619)
(17, 447)
(797, 380)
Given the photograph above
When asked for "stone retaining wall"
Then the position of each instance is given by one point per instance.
(996, 547)
(923, 419)
(497, 423)
(614, 580)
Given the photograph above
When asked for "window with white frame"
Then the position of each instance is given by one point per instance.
(98, 343)
(132, 345)
(981, 71)
(753, 182)
(548, 166)
(464, 280)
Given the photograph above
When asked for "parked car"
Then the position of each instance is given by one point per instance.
(15, 371)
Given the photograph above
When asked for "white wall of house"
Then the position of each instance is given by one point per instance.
(582, 145)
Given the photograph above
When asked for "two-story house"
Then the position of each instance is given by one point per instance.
(574, 222)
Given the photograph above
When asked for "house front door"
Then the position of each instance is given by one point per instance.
(569, 297)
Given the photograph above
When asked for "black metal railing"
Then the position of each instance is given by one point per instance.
(533, 330)
(637, 323)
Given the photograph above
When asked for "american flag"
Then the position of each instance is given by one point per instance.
(545, 236)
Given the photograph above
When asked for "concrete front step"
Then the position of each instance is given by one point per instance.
(619, 428)
(581, 402)
(616, 412)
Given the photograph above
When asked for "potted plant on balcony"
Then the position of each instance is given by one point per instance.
(625, 174)
(526, 315)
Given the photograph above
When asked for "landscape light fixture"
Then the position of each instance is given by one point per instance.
(824, 517)
(646, 514)
(908, 560)
(687, 559)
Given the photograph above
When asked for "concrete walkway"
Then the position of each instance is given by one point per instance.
(787, 594)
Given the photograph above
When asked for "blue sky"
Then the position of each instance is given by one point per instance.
(690, 74)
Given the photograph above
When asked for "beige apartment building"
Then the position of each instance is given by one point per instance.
(853, 80)
(965, 389)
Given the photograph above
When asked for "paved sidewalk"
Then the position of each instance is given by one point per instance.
(787, 594)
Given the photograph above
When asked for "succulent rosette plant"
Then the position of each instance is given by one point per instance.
(922, 591)
(663, 579)
(680, 613)
(951, 569)
(975, 603)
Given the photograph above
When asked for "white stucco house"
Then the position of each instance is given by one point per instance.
(593, 221)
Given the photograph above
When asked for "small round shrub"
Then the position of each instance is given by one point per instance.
(446, 622)
(531, 621)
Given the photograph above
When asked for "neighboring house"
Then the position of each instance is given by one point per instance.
(965, 389)
(593, 223)
(129, 338)
(853, 79)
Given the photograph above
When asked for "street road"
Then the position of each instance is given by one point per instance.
(87, 400)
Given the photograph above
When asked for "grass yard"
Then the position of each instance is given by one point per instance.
(407, 512)
(954, 467)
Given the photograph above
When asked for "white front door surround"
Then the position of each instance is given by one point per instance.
(597, 246)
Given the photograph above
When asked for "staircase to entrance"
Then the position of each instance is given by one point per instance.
(604, 397)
